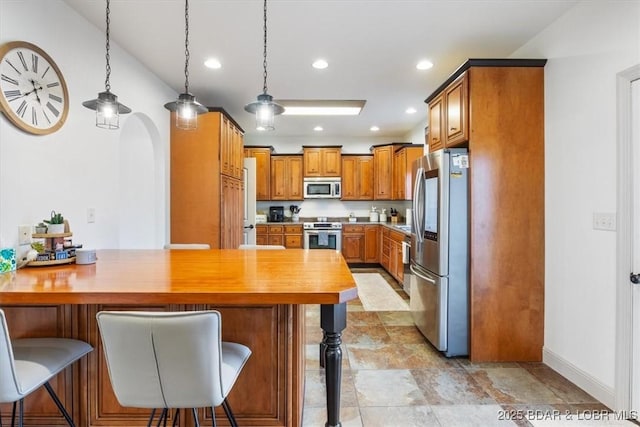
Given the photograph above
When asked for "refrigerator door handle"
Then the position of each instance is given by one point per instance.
(420, 275)
(418, 205)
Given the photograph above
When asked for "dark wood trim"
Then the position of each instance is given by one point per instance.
(322, 146)
(270, 147)
(486, 63)
(356, 154)
(389, 143)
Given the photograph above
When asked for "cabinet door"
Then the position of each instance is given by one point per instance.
(293, 241)
(263, 171)
(353, 247)
(278, 178)
(436, 117)
(330, 161)
(365, 178)
(294, 179)
(371, 243)
(312, 160)
(383, 169)
(349, 178)
(238, 145)
(456, 127)
(225, 147)
(399, 168)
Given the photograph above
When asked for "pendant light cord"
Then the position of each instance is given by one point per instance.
(186, 46)
(264, 62)
(107, 85)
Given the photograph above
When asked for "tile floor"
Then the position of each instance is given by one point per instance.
(393, 377)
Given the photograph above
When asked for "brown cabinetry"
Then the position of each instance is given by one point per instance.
(383, 172)
(506, 273)
(286, 177)
(360, 243)
(449, 115)
(263, 170)
(391, 253)
(357, 177)
(322, 161)
(402, 180)
(287, 235)
(206, 182)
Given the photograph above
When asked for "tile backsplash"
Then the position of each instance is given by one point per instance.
(335, 208)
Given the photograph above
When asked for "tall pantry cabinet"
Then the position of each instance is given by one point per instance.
(495, 107)
(207, 181)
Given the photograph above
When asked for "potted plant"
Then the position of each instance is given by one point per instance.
(56, 223)
(41, 228)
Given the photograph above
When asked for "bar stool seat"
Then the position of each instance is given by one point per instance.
(27, 364)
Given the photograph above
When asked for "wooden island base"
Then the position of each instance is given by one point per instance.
(269, 391)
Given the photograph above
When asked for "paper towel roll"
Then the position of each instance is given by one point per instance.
(409, 216)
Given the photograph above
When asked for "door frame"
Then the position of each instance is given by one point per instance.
(624, 294)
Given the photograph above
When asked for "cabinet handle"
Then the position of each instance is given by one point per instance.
(435, 139)
(453, 129)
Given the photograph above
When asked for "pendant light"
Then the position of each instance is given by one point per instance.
(264, 108)
(106, 106)
(186, 107)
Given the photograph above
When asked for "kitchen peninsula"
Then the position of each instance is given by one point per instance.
(258, 292)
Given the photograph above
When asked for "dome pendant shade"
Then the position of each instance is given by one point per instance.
(265, 110)
(187, 110)
(107, 109)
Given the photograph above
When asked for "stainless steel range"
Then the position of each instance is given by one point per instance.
(323, 235)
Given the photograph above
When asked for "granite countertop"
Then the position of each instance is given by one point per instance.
(400, 226)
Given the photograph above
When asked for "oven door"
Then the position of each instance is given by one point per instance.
(323, 239)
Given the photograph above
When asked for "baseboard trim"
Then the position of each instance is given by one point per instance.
(602, 392)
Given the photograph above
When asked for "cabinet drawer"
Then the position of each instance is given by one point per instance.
(293, 241)
(277, 239)
(274, 229)
(398, 237)
(262, 240)
(385, 232)
(353, 228)
(262, 230)
(293, 229)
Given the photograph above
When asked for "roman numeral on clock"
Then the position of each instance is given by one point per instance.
(9, 80)
(24, 63)
(53, 109)
(22, 108)
(12, 95)
(55, 98)
(54, 84)
(34, 116)
(12, 66)
(34, 62)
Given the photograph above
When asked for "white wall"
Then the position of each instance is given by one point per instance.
(81, 166)
(585, 48)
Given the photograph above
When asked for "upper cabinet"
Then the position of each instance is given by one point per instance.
(286, 177)
(449, 115)
(402, 162)
(322, 161)
(263, 170)
(357, 177)
(206, 182)
(383, 172)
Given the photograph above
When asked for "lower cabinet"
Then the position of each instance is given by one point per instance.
(289, 235)
(268, 392)
(360, 243)
(391, 253)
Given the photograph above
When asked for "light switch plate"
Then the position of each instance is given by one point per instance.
(604, 221)
(24, 234)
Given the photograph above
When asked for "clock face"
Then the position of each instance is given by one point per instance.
(33, 93)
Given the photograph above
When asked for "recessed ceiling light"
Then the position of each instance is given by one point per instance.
(320, 64)
(424, 65)
(374, 128)
(212, 63)
(318, 128)
(411, 110)
(298, 107)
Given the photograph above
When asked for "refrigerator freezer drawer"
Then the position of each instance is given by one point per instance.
(428, 306)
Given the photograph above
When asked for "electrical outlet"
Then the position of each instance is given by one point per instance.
(91, 215)
(24, 234)
(604, 221)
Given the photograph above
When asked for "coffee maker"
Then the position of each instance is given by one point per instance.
(276, 213)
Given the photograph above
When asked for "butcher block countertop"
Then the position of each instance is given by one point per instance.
(223, 276)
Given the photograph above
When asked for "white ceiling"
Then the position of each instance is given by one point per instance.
(372, 48)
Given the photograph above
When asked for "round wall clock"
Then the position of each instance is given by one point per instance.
(33, 93)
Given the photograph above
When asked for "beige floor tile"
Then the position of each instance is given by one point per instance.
(317, 417)
(315, 392)
(312, 359)
(396, 318)
(471, 416)
(513, 385)
(367, 334)
(405, 335)
(563, 388)
(450, 387)
(387, 388)
(405, 416)
(394, 356)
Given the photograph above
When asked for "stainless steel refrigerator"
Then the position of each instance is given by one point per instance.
(439, 297)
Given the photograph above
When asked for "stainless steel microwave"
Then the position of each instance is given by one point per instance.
(322, 188)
